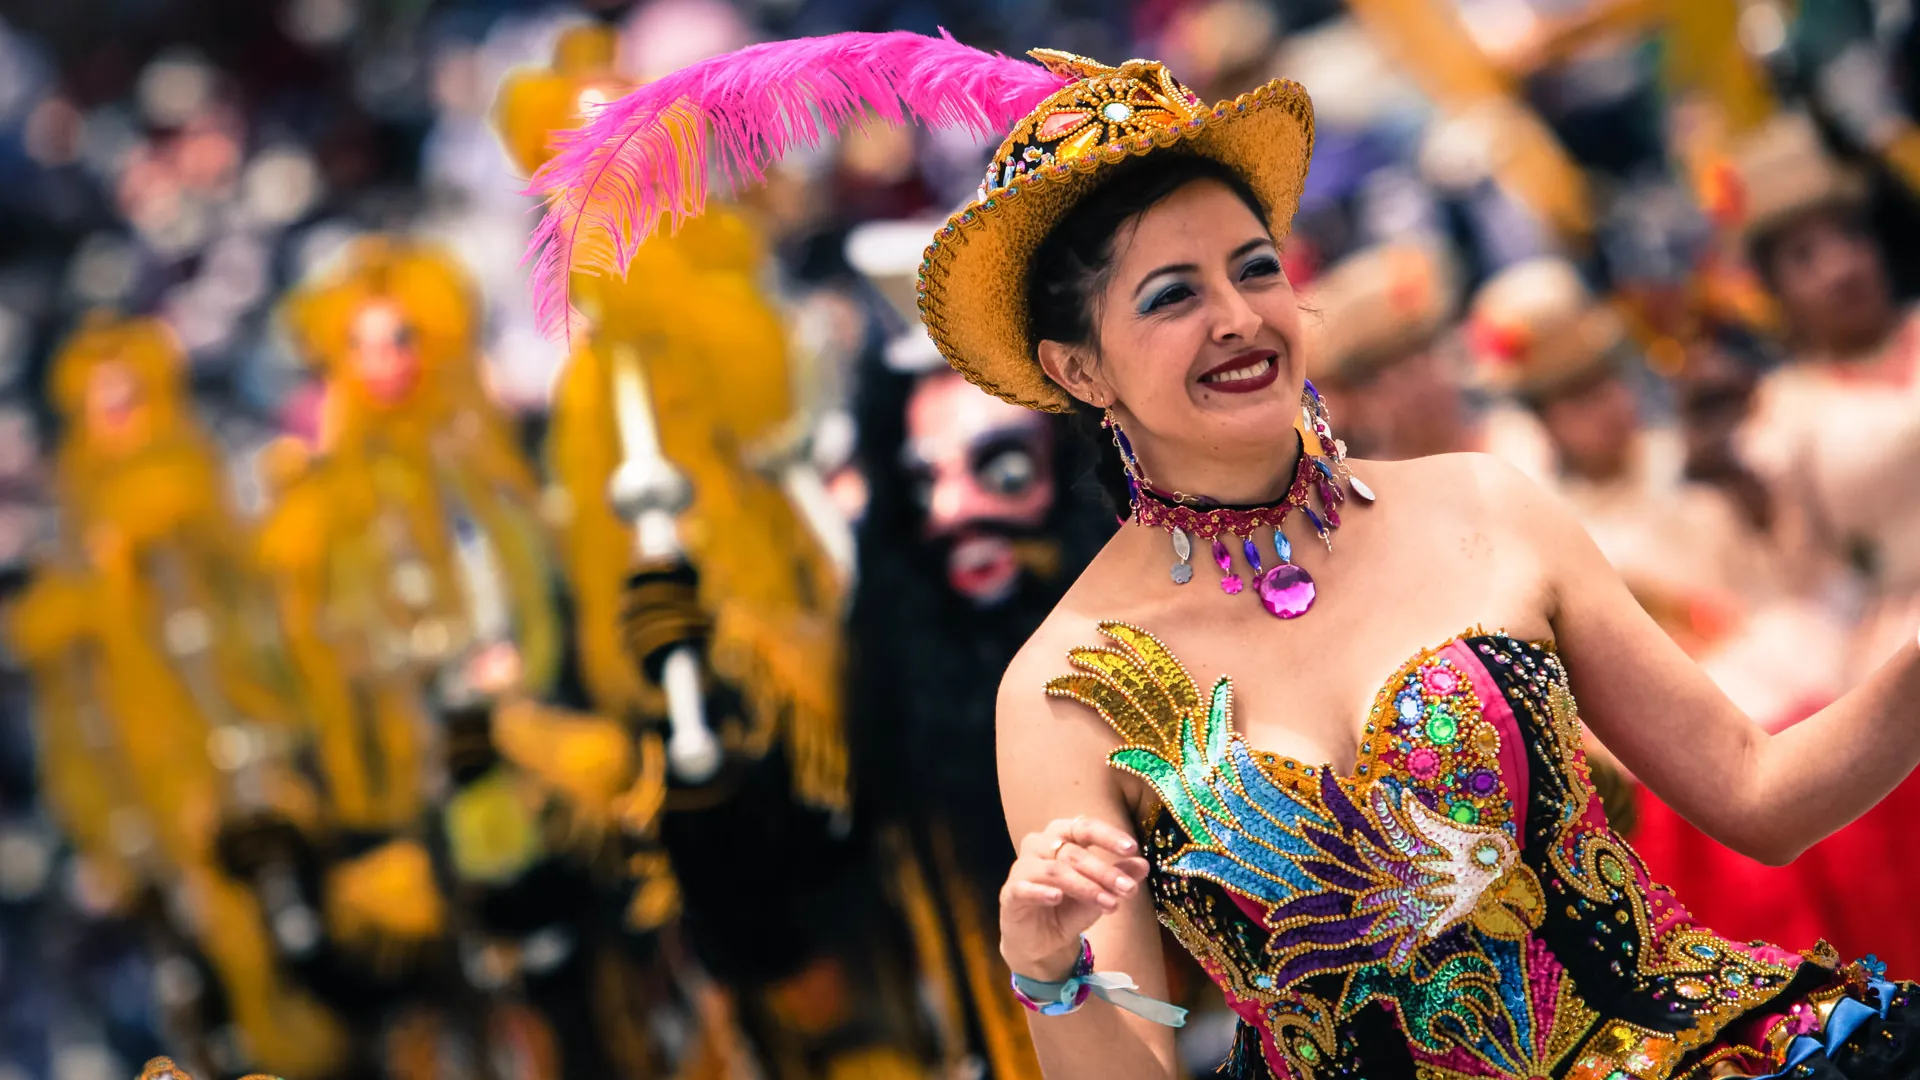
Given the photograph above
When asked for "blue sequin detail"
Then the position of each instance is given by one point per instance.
(1407, 706)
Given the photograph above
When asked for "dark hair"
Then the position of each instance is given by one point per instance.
(1070, 268)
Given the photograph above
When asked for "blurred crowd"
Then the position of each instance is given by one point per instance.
(390, 690)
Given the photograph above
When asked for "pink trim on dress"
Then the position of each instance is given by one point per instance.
(1495, 710)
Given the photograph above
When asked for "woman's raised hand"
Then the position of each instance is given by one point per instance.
(1068, 875)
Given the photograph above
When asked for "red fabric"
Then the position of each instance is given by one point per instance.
(1859, 888)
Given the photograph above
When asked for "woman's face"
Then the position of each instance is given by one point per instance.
(1832, 283)
(1197, 328)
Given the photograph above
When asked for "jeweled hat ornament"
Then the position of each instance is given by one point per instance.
(647, 156)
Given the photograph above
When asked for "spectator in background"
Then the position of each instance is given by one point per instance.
(1714, 392)
(1836, 431)
(1542, 335)
(1382, 350)
(1377, 355)
(1720, 586)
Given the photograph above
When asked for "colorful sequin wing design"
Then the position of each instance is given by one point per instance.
(1172, 741)
(1346, 879)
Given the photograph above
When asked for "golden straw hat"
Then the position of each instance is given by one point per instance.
(973, 279)
(1376, 306)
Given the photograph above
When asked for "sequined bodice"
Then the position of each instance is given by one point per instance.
(1457, 908)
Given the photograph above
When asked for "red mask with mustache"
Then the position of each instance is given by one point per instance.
(983, 474)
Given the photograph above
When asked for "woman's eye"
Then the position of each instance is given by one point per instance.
(1172, 294)
(1264, 266)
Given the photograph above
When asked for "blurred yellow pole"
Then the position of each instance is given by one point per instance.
(1704, 53)
(1427, 38)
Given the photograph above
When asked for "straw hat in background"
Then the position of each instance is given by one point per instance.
(1378, 305)
(1535, 329)
(1784, 170)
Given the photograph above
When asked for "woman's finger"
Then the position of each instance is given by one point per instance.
(1044, 844)
(1076, 885)
(1094, 833)
(1034, 893)
(1085, 831)
(1101, 867)
(1059, 876)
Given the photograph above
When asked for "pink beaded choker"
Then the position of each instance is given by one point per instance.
(1285, 590)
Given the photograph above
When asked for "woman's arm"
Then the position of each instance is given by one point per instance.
(1766, 796)
(1079, 871)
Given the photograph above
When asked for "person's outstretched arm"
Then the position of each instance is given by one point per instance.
(1767, 796)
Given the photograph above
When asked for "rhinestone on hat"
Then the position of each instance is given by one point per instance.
(1102, 106)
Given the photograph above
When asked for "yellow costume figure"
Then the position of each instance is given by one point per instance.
(162, 713)
(408, 556)
(750, 590)
(413, 588)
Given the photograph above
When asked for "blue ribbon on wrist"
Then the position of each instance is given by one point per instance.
(1113, 987)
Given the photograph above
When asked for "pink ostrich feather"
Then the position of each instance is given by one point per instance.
(648, 154)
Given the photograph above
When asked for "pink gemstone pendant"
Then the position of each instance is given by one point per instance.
(1286, 591)
(1223, 558)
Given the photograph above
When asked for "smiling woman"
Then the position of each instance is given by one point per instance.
(1412, 878)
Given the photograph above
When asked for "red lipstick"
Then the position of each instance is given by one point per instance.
(1245, 384)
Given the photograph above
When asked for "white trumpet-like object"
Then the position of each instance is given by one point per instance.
(649, 492)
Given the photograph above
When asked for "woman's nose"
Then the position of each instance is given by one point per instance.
(1234, 318)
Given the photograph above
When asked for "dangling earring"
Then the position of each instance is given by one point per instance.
(1182, 569)
(1329, 454)
(1312, 420)
(1136, 476)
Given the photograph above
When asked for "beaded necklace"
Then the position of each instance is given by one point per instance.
(1286, 590)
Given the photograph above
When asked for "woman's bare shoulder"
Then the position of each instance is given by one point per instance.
(1474, 476)
(1044, 656)
(1481, 491)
